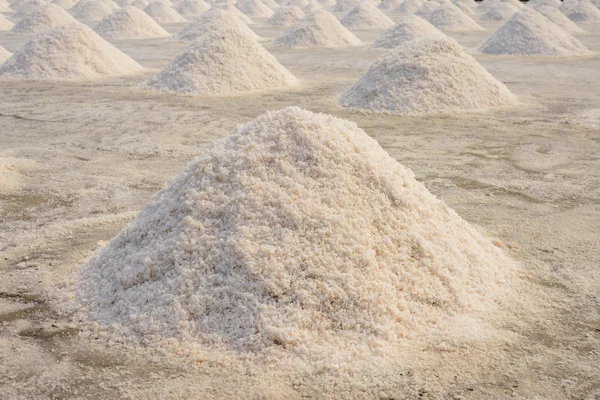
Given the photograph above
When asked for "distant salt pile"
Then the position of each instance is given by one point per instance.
(65, 4)
(486, 5)
(426, 9)
(286, 16)
(559, 19)
(426, 75)
(220, 63)
(467, 3)
(29, 7)
(270, 3)
(327, 3)
(408, 28)
(346, 5)
(233, 9)
(129, 23)
(68, 53)
(312, 8)
(112, 4)
(450, 18)
(388, 5)
(500, 12)
(514, 3)
(213, 20)
(162, 13)
(366, 16)
(4, 54)
(297, 3)
(141, 4)
(581, 11)
(93, 10)
(408, 7)
(528, 33)
(254, 8)
(43, 19)
(192, 8)
(320, 29)
(465, 9)
(5, 23)
(538, 3)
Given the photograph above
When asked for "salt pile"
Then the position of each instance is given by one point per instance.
(233, 9)
(129, 23)
(5, 23)
(500, 12)
(450, 18)
(294, 232)
(486, 5)
(537, 3)
(426, 75)
(366, 16)
(4, 6)
(465, 9)
(320, 29)
(93, 10)
(514, 3)
(162, 13)
(254, 8)
(67, 53)
(426, 9)
(581, 11)
(270, 3)
(298, 3)
(408, 28)
(192, 8)
(111, 4)
(528, 33)
(311, 8)
(327, 3)
(559, 19)
(43, 19)
(213, 20)
(285, 16)
(222, 62)
(408, 7)
(389, 4)
(29, 7)
(65, 4)
(141, 4)
(345, 5)
(4, 54)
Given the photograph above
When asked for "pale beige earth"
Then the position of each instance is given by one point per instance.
(88, 156)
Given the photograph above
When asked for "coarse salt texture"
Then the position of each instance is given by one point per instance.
(388, 5)
(295, 230)
(499, 12)
(408, 28)
(5, 23)
(427, 8)
(212, 20)
(93, 10)
(129, 23)
(450, 18)
(559, 19)
(163, 14)
(408, 7)
(580, 11)
(4, 54)
(29, 7)
(346, 5)
(366, 16)
(192, 8)
(254, 8)
(44, 18)
(285, 16)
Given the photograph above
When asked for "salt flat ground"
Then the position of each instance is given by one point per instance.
(88, 156)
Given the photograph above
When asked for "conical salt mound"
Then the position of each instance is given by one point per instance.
(466, 3)
(192, 8)
(499, 12)
(295, 231)
(450, 18)
(5, 23)
(93, 10)
(426, 9)
(65, 4)
(213, 20)
(345, 5)
(366, 16)
(312, 8)
(163, 14)
(320, 29)
(529, 33)
(286, 16)
(388, 5)
(467, 10)
(254, 8)
(43, 19)
(141, 4)
(4, 54)
(581, 11)
(29, 7)
(222, 62)
(426, 75)
(408, 28)
(408, 7)
(129, 23)
(559, 19)
(234, 10)
(68, 53)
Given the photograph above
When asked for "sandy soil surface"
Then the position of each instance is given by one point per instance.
(84, 158)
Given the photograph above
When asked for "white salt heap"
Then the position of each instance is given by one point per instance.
(297, 3)
(426, 9)
(5, 23)
(213, 20)
(141, 4)
(426, 75)
(270, 3)
(346, 5)
(93, 10)
(295, 232)
(388, 5)
(68, 53)
(528, 33)
(486, 5)
(450, 18)
(29, 7)
(408, 28)
(65, 4)
(559, 19)
(320, 29)
(4, 54)
(129, 23)
(4, 7)
(311, 8)
(43, 19)
(286, 16)
(581, 11)
(408, 7)
(366, 16)
(222, 62)
(254, 8)
(192, 8)
(162, 13)
(233, 9)
(499, 12)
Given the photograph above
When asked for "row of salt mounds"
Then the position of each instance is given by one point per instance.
(529, 33)
(580, 11)
(43, 19)
(426, 75)
(499, 12)
(286, 16)
(93, 10)
(408, 28)
(450, 18)
(320, 29)
(366, 16)
(388, 5)
(213, 20)
(65, 4)
(5, 23)
(408, 7)
(67, 53)
(192, 8)
(296, 232)
(233, 9)
(129, 23)
(426, 9)
(220, 63)
(559, 19)
(4, 54)
(29, 7)
(254, 8)
(162, 13)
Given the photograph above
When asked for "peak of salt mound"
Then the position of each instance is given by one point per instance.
(581, 11)
(467, 3)
(112, 4)
(286, 16)
(559, 19)
(312, 8)
(5, 23)
(43, 19)
(408, 28)
(93, 10)
(366, 16)
(141, 4)
(68, 53)
(426, 9)
(4, 54)
(388, 5)
(213, 20)
(450, 18)
(295, 231)
(408, 7)
(222, 62)
(346, 5)
(499, 12)
(320, 29)
(129, 23)
(465, 9)
(254, 8)
(29, 7)
(426, 75)
(162, 13)
(234, 10)
(65, 4)
(192, 8)
(529, 33)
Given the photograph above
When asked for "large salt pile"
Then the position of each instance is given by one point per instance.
(4, 54)
(129, 23)
(93, 10)
(297, 232)
(450, 18)
(426, 75)
(426, 9)
(66, 53)
(222, 62)
(408, 28)
(559, 19)
(346, 5)
(5, 23)
(389, 5)
(29, 7)
(581, 11)
(254, 8)
(43, 19)
(529, 33)
(286, 16)
(213, 20)
(192, 8)
(499, 12)
(65, 4)
(233, 9)
(162, 13)
(366, 16)
(408, 7)
(320, 29)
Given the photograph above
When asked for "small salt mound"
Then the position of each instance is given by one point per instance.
(426, 75)
(538, 3)
(465, 9)
(141, 4)
(366, 16)
(312, 8)
(408, 28)
(29, 7)
(408, 7)
(5, 23)
(286, 16)
(327, 3)
(467, 3)
(298, 3)
(254, 8)
(515, 3)
(213, 20)
(4, 54)
(68, 53)
(345, 5)
(233, 9)
(320, 29)
(270, 3)
(192, 8)
(529, 33)
(426, 9)
(122, 3)
(581, 11)
(486, 5)
(43, 19)
(450, 18)
(93, 10)
(129, 23)
(112, 4)
(162, 13)
(559, 19)
(222, 62)
(65, 4)
(500, 12)
(388, 5)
